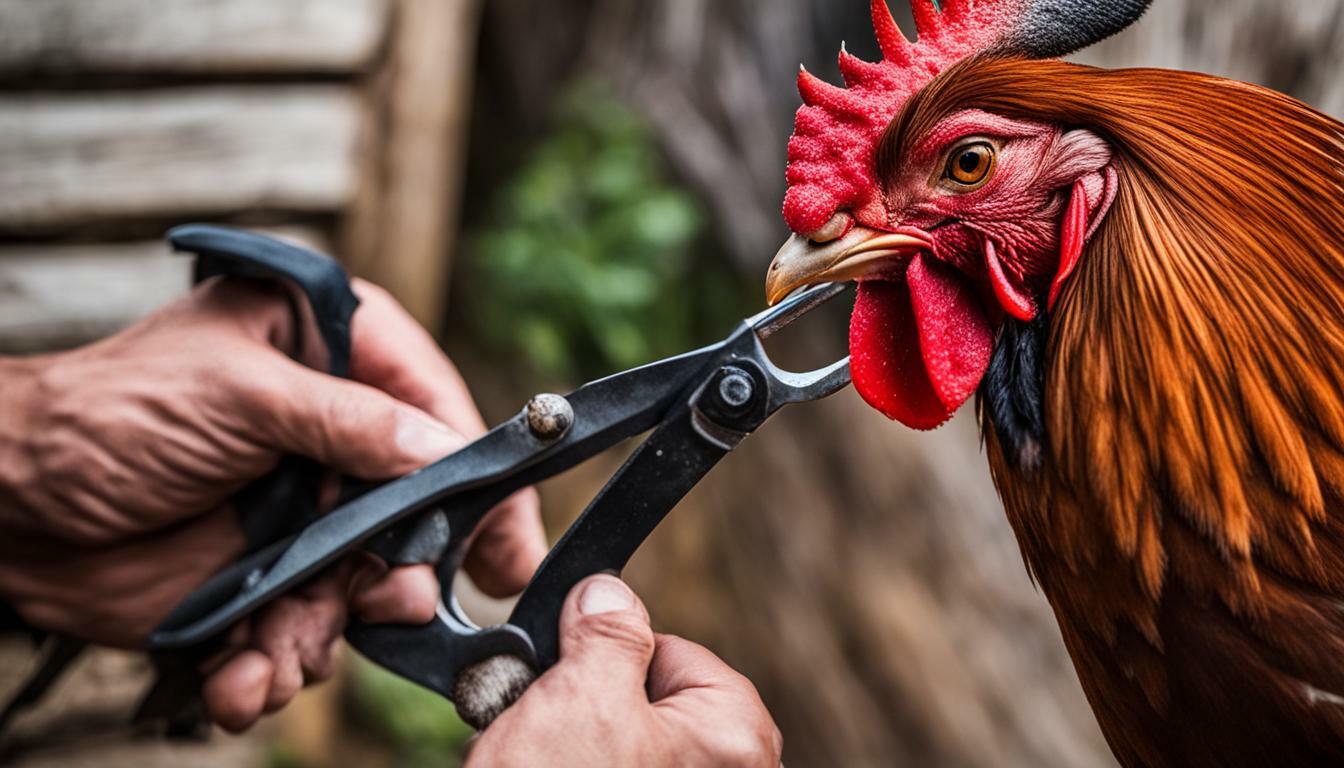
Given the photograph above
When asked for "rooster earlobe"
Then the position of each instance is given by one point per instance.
(1014, 300)
(1071, 241)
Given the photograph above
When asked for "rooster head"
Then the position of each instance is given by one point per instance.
(951, 229)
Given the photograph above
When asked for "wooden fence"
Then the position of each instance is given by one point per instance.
(339, 121)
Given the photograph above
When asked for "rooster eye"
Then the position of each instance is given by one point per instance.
(969, 165)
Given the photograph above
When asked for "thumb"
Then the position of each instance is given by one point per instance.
(351, 427)
(605, 638)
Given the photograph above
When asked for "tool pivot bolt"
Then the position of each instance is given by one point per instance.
(736, 388)
(549, 416)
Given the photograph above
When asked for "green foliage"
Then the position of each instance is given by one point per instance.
(280, 756)
(421, 726)
(587, 264)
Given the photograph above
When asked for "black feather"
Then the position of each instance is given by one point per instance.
(1012, 394)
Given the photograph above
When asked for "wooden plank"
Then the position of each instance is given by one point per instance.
(176, 152)
(400, 229)
(189, 36)
(56, 296)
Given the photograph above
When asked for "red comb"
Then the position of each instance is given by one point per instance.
(837, 129)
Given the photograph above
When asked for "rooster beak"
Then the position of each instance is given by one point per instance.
(861, 253)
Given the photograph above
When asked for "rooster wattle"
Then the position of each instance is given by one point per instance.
(1140, 274)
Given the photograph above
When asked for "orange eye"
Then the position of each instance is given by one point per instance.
(970, 165)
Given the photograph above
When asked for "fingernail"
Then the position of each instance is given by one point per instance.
(605, 594)
(424, 438)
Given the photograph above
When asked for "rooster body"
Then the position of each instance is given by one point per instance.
(1186, 520)
(1140, 276)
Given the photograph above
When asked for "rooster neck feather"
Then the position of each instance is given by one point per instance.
(1187, 520)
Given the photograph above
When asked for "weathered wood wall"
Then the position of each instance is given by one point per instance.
(91, 158)
(109, 37)
(56, 296)
(121, 118)
(401, 228)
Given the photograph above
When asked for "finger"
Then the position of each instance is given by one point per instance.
(327, 612)
(297, 633)
(276, 636)
(287, 680)
(405, 595)
(235, 641)
(709, 707)
(343, 424)
(680, 665)
(393, 352)
(605, 639)
(507, 546)
(258, 307)
(236, 694)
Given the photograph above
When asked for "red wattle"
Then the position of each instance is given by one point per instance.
(885, 361)
(954, 333)
(920, 346)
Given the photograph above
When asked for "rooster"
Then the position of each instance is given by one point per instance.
(1140, 275)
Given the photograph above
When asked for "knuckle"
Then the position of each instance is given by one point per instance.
(749, 748)
(226, 711)
(255, 391)
(526, 503)
(402, 596)
(561, 683)
(333, 415)
(421, 614)
(776, 740)
(46, 614)
(250, 305)
(322, 667)
(747, 742)
(372, 293)
(416, 610)
(625, 631)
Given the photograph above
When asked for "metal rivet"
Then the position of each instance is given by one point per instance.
(549, 416)
(736, 388)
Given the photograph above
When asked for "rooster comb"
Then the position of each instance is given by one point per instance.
(837, 129)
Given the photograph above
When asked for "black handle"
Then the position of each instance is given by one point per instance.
(279, 505)
(285, 500)
(636, 499)
(320, 278)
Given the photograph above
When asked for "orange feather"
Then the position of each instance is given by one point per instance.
(1187, 524)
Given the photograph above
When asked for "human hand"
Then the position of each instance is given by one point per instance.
(622, 695)
(117, 462)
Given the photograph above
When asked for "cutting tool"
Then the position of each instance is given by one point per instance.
(697, 407)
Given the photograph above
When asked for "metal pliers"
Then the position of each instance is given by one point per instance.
(699, 406)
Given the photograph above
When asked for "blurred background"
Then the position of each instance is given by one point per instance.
(560, 190)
